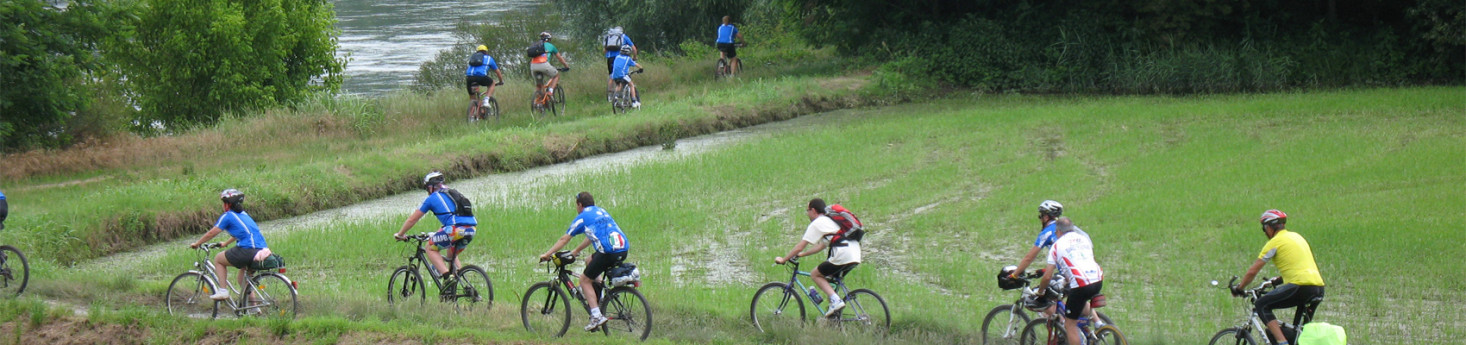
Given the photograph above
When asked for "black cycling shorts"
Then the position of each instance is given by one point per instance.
(1285, 296)
(610, 63)
(728, 49)
(600, 262)
(240, 257)
(4, 211)
(480, 80)
(1079, 298)
(833, 271)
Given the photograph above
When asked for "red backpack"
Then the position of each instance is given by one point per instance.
(851, 229)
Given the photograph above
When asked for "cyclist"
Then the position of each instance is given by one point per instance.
(841, 258)
(621, 76)
(241, 228)
(540, 65)
(1048, 212)
(610, 245)
(726, 50)
(615, 41)
(1294, 259)
(453, 211)
(4, 210)
(1073, 256)
(477, 74)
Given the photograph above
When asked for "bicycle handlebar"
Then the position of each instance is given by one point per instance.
(420, 237)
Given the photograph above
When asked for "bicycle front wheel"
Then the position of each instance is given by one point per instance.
(1040, 332)
(492, 109)
(474, 289)
(866, 309)
(1109, 335)
(557, 100)
(629, 314)
(775, 306)
(545, 310)
(276, 297)
(405, 283)
(1003, 324)
(15, 271)
(188, 295)
(1233, 336)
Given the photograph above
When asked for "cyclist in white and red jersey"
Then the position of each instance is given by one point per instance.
(1073, 257)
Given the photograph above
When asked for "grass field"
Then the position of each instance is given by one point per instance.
(1169, 188)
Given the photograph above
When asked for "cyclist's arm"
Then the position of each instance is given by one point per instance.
(583, 244)
(794, 253)
(1252, 272)
(500, 73)
(207, 236)
(227, 242)
(1043, 283)
(1027, 259)
(819, 247)
(411, 221)
(562, 60)
(558, 244)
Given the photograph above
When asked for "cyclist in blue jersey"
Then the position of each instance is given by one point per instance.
(241, 228)
(479, 65)
(610, 244)
(621, 76)
(4, 210)
(453, 211)
(726, 50)
(614, 42)
(1048, 212)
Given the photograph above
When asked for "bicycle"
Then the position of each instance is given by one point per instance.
(464, 287)
(1053, 326)
(267, 293)
(554, 102)
(1017, 319)
(724, 69)
(1248, 330)
(483, 107)
(776, 299)
(9, 276)
(545, 309)
(621, 99)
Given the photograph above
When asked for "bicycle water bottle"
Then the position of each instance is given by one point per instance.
(814, 296)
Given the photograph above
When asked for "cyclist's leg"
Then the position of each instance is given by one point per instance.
(632, 85)
(470, 82)
(599, 263)
(818, 276)
(4, 211)
(1077, 303)
(1284, 296)
(441, 239)
(221, 269)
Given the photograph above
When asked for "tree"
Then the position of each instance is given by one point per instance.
(44, 58)
(189, 61)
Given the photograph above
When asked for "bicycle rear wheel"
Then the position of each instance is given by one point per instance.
(629, 314)
(545, 310)
(721, 70)
(538, 104)
(473, 113)
(1233, 336)
(15, 271)
(276, 297)
(474, 289)
(776, 306)
(1109, 335)
(404, 283)
(866, 309)
(188, 295)
(1003, 325)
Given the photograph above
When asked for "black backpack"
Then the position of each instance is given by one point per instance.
(535, 50)
(465, 208)
(477, 59)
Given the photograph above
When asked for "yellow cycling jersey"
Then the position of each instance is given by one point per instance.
(1294, 258)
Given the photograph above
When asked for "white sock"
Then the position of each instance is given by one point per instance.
(834, 299)
(595, 312)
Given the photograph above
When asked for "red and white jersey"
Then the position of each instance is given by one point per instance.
(1073, 256)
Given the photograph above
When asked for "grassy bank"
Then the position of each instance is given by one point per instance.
(1168, 188)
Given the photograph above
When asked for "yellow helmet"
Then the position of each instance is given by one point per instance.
(483, 48)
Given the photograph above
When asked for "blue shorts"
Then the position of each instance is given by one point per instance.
(456, 237)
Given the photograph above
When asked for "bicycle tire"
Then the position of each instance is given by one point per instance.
(860, 310)
(1233, 336)
(475, 292)
(473, 113)
(721, 69)
(493, 109)
(191, 299)
(537, 108)
(8, 273)
(1008, 335)
(544, 320)
(1105, 318)
(1109, 335)
(277, 296)
(1039, 332)
(782, 296)
(629, 313)
(557, 101)
(404, 283)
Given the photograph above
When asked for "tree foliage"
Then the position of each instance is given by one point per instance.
(45, 57)
(653, 25)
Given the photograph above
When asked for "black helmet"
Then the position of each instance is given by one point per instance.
(432, 179)
(231, 196)
(1006, 280)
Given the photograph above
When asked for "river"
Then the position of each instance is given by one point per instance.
(386, 40)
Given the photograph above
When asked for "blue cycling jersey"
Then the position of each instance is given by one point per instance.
(1046, 237)
(482, 70)
(622, 66)
(243, 228)
(602, 231)
(2, 196)
(625, 41)
(442, 206)
(726, 33)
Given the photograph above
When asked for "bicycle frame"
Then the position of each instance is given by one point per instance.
(205, 268)
(568, 280)
(837, 284)
(1301, 316)
(419, 259)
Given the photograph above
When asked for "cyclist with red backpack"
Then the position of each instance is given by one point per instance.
(842, 240)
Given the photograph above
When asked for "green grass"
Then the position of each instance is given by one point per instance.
(1169, 188)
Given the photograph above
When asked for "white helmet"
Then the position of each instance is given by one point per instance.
(1050, 208)
(431, 179)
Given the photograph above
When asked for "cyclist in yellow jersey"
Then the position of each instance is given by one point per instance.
(1294, 259)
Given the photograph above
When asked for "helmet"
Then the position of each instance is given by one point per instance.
(1271, 217)
(1006, 281)
(231, 196)
(482, 48)
(1050, 208)
(433, 178)
(545, 36)
(626, 49)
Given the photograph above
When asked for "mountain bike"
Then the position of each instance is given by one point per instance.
(1005, 323)
(465, 287)
(1050, 330)
(15, 271)
(1251, 330)
(546, 306)
(779, 304)
(267, 293)
(621, 99)
(726, 68)
(553, 102)
(483, 107)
